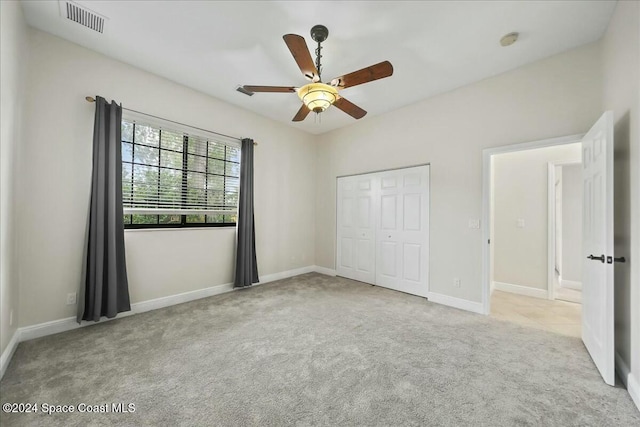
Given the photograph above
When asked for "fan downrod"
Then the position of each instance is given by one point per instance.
(319, 33)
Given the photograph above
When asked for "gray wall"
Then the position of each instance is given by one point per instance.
(572, 223)
(621, 66)
(520, 192)
(13, 39)
(558, 218)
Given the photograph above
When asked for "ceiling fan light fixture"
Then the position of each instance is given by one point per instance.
(318, 96)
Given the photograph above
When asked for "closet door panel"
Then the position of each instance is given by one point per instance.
(388, 212)
(411, 262)
(346, 258)
(388, 260)
(356, 228)
(403, 224)
(365, 256)
(412, 211)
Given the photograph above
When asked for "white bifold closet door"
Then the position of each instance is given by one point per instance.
(356, 228)
(383, 229)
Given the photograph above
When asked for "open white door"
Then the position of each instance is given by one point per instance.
(597, 246)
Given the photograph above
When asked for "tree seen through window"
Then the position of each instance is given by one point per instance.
(173, 171)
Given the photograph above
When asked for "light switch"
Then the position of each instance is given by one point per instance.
(474, 223)
(520, 222)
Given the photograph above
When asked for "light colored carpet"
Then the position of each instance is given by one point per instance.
(314, 350)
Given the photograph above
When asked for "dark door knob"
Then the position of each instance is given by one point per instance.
(599, 258)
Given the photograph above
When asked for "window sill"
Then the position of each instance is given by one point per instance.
(146, 230)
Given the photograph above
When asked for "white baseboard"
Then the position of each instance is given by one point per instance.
(569, 284)
(62, 325)
(521, 290)
(324, 270)
(154, 304)
(462, 304)
(629, 380)
(56, 326)
(7, 354)
(622, 369)
(286, 274)
(633, 388)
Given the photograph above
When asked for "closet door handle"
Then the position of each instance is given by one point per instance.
(598, 258)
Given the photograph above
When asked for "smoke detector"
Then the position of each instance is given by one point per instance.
(82, 15)
(509, 39)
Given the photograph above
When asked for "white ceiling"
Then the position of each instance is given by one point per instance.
(434, 46)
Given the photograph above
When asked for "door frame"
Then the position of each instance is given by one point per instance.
(381, 170)
(487, 153)
(551, 223)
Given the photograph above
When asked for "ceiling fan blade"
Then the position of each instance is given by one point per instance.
(270, 88)
(301, 114)
(350, 108)
(369, 74)
(300, 52)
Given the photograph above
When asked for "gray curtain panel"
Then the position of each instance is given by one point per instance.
(246, 263)
(106, 290)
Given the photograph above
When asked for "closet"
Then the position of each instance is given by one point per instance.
(383, 229)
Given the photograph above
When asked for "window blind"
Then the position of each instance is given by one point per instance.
(170, 171)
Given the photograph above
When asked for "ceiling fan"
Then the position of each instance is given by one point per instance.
(318, 96)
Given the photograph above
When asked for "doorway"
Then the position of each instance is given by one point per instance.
(565, 231)
(524, 255)
(597, 237)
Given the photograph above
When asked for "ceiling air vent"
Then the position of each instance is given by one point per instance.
(82, 15)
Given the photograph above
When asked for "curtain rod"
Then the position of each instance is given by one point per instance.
(92, 99)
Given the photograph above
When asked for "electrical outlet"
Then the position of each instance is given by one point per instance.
(456, 282)
(474, 223)
(520, 222)
(71, 298)
(11, 317)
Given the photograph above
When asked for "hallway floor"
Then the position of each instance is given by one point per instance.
(569, 295)
(557, 316)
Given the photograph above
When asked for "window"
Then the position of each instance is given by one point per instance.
(174, 178)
